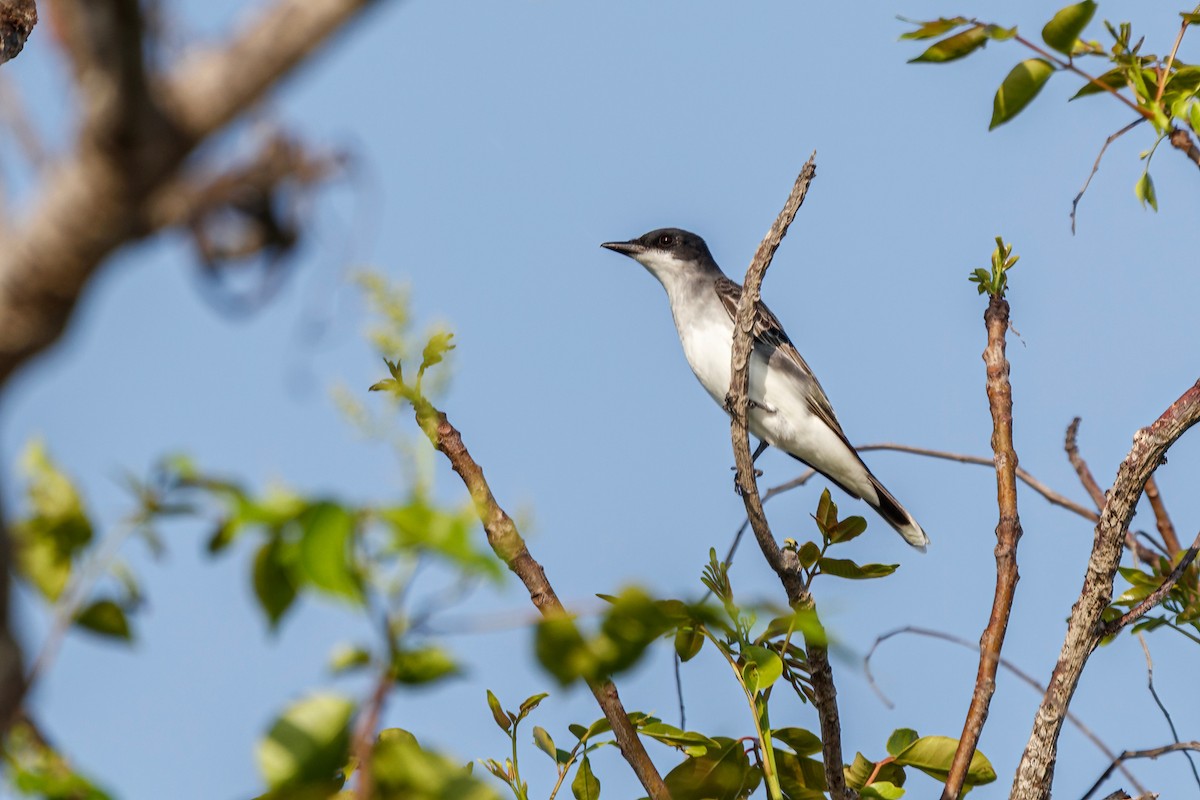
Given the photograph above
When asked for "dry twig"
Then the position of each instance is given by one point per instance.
(785, 565)
(1008, 534)
(1151, 753)
(506, 541)
(1084, 632)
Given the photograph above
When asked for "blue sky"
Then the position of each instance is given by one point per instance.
(495, 146)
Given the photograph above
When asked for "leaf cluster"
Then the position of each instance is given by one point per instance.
(995, 282)
(1161, 89)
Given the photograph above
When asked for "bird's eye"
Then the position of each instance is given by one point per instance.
(666, 240)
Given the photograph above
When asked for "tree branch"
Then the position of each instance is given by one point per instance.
(1155, 597)
(94, 202)
(506, 541)
(17, 18)
(1084, 631)
(1008, 534)
(785, 564)
(1161, 518)
(1128, 754)
(1181, 140)
(1023, 676)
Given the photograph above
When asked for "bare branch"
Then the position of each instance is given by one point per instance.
(1096, 166)
(1162, 707)
(1161, 518)
(1084, 632)
(94, 202)
(1081, 467)
(1008, 534)
(506, 541)
(785, 565)
(1152, 754)
(1053, 497)
(1182, 140)
(17, 18)
(1023, 676)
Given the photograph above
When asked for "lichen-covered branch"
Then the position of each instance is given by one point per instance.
(17, 19)
(1084, 629)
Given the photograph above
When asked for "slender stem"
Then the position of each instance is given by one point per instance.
(1070, 67)
(1162, 79)
(1008, 534)
(507, 543)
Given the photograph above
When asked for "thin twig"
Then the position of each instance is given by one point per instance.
(1166, 72)
(1096, 165)
(1004, 662)
(364, 733)
(1070, 67)
(1181, 140)
(1008, 534)
(506, 541)
(1084, 630)
(1161, 706)
(1053, 497)
(1151, 753)
(1155, 597)
(1081, 468)
(1139, 550)
(785, 564)
(1162, 519)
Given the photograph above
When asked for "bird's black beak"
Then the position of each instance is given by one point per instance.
(630, 249)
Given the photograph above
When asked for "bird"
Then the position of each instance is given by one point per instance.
(789, 410)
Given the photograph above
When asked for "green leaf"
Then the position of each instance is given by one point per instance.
(562, 651)
(57, 527)
(826, 512)
(803, 742)
(1190, 17)
(1063, 29)
(436, 348)
(309, 742)
(767, 662)
(401, 768)
(544, 742)
(530, 703)
(808, 554)
(1019, 88)
(881, 790)
(1144, 189)
(273, 582)
(848, 529)
(935, 28)
(1113, 79)
(900, 739)
(845, 568)
(498, 712)
(105, 618)
(326, 556)
(694, 744)
(858, 771)
(585, 786)
(422, 528)
(954, 47)
(347, 657)
(720, 774)
(688, 641)
(800, 778)
(422, 665)
(933, 755)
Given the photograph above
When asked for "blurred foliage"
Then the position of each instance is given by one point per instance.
(1160, 89)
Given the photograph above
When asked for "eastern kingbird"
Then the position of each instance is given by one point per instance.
(789, 408)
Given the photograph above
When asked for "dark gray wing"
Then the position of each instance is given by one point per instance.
(769, 336)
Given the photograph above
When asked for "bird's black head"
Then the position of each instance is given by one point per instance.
(673, 243)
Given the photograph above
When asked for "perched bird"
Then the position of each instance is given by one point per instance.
(789, 409)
